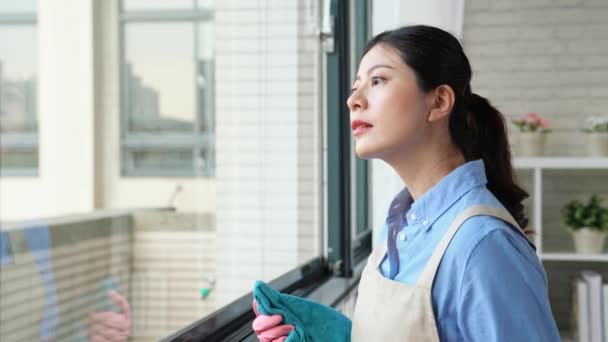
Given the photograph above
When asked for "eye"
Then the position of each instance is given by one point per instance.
(353, 90)
(377, 80)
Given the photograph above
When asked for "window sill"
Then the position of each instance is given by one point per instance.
(233, 322)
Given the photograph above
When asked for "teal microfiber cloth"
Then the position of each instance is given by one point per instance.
(314, 322)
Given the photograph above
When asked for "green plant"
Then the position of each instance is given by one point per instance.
(597, 124)
(577, 215)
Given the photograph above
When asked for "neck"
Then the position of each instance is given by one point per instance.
(421, 173)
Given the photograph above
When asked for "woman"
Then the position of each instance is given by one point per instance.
(454, 264)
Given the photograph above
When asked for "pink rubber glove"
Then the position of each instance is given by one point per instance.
(111, 326)
(269, 328)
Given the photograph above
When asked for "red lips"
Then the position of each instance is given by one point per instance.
(357, 123)
(359, 126)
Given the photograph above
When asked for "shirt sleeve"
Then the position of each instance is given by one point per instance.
(503, 294)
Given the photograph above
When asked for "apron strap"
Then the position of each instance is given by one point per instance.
(428, 274)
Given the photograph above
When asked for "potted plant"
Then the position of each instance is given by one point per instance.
(596, 128)
(532, 135)
(588, 224)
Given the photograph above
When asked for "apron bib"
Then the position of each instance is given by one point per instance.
(387, 310)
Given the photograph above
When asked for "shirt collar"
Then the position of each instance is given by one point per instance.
(401, 204)
(433, 203)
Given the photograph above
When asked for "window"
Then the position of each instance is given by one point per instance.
(168, 87)
(18, 89)
(226, 97)
(204, 163)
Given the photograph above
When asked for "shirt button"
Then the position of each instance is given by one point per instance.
(425, 222)
(402, 237)
(413, 216)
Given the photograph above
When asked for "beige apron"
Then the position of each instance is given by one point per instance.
(387, 310)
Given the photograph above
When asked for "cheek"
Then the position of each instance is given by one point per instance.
(399, 123)
(402, 114)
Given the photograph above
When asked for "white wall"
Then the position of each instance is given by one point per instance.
(268, 150)
(65, 117)
(544, 57)
(389, 14)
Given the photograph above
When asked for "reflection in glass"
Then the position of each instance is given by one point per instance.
(54, 273)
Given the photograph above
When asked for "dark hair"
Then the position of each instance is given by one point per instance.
(476, 127)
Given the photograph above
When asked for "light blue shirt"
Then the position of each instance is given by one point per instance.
(490, 285)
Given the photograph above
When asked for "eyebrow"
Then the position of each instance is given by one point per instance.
(377, 66)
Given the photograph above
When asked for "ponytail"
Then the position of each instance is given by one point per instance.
(482, 134)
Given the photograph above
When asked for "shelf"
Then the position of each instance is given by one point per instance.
(561, 162)
(574, 257)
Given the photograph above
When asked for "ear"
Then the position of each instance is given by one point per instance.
(442, 102)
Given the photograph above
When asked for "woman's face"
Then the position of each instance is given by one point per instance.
(388, 111)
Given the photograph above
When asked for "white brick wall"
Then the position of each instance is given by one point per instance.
(549, 57)
(544, 56)
(174, 256)
(267, 142)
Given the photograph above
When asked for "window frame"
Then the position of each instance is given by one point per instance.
(196, 141)
(362, 241)
(332, 276)
(21, 140)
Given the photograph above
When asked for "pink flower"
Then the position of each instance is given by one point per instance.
(532, 119)
(532, 116)
(531, 122)
(544, 123)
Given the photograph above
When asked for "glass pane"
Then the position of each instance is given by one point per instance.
(18, 64)
(18, 99)
(159, 77)
(21, 6)
(218, 129)
(130, 5)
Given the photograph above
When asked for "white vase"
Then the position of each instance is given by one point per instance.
(597, 144)
(532, 143)
(588, 241)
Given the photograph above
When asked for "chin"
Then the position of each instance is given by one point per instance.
(364, 152)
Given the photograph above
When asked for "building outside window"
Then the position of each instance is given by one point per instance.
(167, 88)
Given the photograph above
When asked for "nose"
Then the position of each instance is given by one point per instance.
(356, 101)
